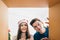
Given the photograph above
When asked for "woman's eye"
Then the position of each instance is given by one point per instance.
(25, 25)
(21, 25)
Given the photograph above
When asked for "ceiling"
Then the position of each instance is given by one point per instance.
(30, 3)
(53, 2)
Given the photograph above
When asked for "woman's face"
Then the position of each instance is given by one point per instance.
(24, 27)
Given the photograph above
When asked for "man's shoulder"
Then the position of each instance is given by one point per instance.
(36, 34)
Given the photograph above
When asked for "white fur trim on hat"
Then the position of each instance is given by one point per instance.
(23, 20)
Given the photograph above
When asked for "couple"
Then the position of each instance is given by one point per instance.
(23, 33)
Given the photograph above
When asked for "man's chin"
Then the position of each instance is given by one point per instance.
(38, 31)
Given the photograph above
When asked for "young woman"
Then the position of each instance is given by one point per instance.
(23, 33)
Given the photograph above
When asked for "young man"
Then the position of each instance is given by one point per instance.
(41, 30)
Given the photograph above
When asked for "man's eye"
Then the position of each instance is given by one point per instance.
(38, 24)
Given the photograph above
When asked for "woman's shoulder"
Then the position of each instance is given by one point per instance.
(31, 37)
(14, 38)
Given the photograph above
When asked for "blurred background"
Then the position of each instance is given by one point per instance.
(16, 14)
(12, 10)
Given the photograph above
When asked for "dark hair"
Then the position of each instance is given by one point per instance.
(33, 20)
(19, 33)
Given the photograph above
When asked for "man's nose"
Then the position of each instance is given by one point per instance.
(38, 27)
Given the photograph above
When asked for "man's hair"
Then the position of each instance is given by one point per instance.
(33, 20)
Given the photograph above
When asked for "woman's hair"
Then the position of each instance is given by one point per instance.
(20, 32)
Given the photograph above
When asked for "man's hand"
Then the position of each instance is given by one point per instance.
(45, 38)
(47, 22)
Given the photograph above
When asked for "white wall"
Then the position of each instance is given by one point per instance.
(15, 14)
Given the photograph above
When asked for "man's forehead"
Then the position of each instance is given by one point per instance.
(36, 22)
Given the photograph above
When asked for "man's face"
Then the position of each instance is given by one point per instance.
(37, 25)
